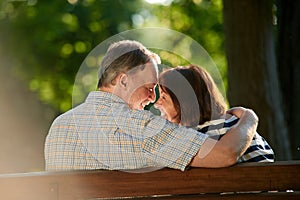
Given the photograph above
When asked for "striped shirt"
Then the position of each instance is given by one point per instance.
(104, 133)
(259, 150)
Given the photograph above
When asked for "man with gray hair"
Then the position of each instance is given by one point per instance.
(110, 130)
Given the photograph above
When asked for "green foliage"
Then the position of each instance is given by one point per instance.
(50, 39)
(201, 20)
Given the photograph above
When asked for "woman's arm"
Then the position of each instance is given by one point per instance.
(232, 145)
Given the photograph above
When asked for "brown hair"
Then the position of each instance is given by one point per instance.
(121, 57)
(208, 103)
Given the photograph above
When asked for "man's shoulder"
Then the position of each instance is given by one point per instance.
(62, 117)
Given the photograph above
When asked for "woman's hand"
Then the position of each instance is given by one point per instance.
(241, 112)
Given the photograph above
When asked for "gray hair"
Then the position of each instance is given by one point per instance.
(121, 57)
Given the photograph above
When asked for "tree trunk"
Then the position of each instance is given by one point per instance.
(289, 67)
(252, 72)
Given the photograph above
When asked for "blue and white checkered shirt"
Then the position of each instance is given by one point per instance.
(259, 150)
(104, 133)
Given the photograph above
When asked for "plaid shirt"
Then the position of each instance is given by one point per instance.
(104, 133)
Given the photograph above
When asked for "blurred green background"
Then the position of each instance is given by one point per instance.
(49, 40)
(43, 44)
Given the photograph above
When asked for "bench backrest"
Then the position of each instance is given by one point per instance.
(244, 181)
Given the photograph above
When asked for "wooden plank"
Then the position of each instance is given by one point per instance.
(248, 196)
(279, 176)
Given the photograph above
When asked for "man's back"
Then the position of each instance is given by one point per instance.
(104, 133)
(74, 138)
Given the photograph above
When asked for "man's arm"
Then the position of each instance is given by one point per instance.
(232, 145)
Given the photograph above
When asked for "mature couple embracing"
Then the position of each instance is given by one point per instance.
(111, 130)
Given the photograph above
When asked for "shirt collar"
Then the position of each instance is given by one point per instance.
(96, 97)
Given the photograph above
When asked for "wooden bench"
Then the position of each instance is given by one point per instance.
(279, 180)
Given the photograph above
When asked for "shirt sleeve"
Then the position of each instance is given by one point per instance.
(173, 146)
(259, 151)
(163, 144)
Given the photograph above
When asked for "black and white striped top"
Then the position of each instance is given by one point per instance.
(259, 150)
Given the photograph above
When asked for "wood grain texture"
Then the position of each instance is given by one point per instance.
(279, 176)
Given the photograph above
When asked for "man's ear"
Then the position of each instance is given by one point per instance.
(123, 80)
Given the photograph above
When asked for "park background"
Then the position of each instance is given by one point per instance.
(254, 44)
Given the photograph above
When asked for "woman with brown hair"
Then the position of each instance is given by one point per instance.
(190, 97)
